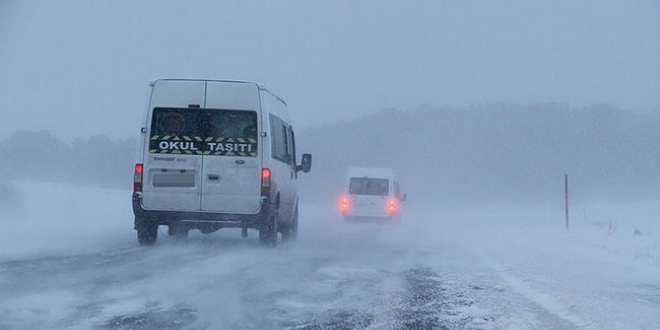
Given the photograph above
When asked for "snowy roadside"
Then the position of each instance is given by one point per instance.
(57, 219)
(593, 276)
(630, 233)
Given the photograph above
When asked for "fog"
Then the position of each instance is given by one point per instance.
(471, 102)
(502, 154)
(481, 108)
(70, 261)
(498, 153)
(81, 69)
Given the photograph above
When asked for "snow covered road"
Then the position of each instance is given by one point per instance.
(62, 268)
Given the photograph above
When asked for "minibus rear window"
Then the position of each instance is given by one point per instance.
(203, 132)
(369, 186)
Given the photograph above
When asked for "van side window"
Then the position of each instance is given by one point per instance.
(397, 189)
(293, 146)
(281, 144)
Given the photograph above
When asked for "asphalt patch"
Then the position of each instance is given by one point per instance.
(428, 304)
(178, 317)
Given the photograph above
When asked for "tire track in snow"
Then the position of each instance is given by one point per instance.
(422, 301)
(544, 301)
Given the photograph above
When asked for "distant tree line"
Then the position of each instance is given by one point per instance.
(498, 153)
(40, 155)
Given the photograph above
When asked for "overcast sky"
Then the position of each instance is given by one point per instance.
(81, 68)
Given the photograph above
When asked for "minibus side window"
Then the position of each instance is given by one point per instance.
(397, 190)
(292, 147)
(281, 145)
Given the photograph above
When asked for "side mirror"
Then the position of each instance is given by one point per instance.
(404, 197)
(306, 163)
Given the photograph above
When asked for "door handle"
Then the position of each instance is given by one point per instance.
(214, 177)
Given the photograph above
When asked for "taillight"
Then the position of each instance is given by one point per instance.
(344, 203)
(265, 182)
(391, 205)
(137, 178)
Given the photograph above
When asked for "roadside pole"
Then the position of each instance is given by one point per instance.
(566, 193)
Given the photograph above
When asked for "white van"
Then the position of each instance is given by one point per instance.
(215, 154)
(371, 193)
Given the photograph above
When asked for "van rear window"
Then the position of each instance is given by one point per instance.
(203, 132)
(369, 186)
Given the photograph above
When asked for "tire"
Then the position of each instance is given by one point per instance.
(177, 231)
(147, 235)
(291, 232)
(268, 233)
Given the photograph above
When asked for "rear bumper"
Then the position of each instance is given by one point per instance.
(144, 217)
(395, 217)
(368, 214)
